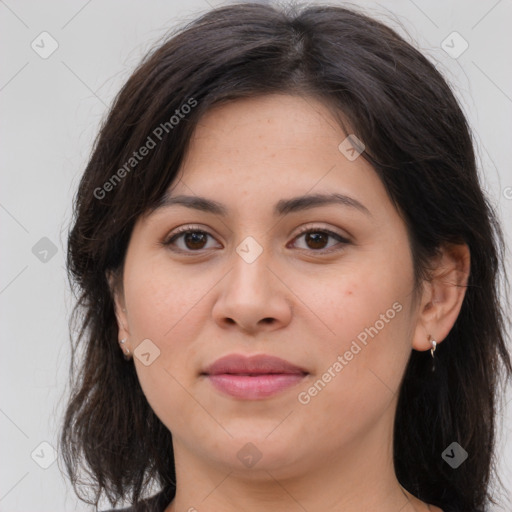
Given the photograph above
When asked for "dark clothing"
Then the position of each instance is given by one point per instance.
(159, 502)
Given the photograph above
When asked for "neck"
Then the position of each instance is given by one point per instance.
(357, 476)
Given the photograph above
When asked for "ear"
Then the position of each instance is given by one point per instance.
(116, 291)
(442, 295)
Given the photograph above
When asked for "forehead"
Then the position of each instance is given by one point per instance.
(270, 143)
(252, 162)
(276, 120)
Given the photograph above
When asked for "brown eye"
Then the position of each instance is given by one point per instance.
(195, 239)
(191, 240)
(317, 239)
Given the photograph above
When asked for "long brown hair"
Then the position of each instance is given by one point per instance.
(417, 140)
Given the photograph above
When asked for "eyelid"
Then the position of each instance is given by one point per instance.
(314, 227)
(342, 239)
(184, 229)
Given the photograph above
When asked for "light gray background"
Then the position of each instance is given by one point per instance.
(51, 109)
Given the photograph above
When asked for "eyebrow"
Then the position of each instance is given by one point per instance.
(282, 207)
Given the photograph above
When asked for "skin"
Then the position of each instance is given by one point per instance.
(335, 452)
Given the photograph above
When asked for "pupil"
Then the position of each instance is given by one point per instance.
(194, 238)
(316, 238)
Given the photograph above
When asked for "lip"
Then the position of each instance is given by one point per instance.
(255, 377)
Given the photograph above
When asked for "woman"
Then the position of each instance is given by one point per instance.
(289, 277)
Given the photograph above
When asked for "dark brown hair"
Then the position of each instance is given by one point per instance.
(417, 140)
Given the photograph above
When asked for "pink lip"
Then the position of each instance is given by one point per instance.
(253, 377)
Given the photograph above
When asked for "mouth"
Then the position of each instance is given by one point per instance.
(252, 378)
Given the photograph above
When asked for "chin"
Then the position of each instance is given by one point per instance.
(257, 455)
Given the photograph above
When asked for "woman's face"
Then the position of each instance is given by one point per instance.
(336, 303)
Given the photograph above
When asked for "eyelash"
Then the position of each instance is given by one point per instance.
(190, 229)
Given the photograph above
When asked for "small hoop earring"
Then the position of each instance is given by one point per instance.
(126, 350)
(432, 350)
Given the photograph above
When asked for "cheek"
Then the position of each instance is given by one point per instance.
(163, 307)
(159, 299)
(359, 370)
(167, 306)
(355, 299)
(362, 356)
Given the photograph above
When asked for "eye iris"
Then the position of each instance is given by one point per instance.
(194, 238)
(316, 238)
(197, 239)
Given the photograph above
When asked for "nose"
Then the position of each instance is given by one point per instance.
(253, 298)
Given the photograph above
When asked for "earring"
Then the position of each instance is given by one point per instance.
(432, 350)
(126, 350)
